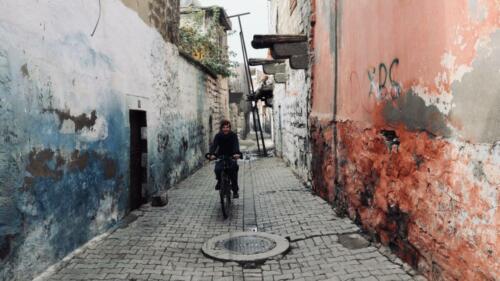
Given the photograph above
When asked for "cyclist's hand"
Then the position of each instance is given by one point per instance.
(236, 156)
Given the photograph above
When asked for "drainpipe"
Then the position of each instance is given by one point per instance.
(335, 100)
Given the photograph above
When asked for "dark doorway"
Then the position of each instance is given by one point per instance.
(138, 158)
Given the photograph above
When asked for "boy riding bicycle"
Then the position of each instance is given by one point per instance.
(226, 144)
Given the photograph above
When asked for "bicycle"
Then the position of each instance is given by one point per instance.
(224, 184)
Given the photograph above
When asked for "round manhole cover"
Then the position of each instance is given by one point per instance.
(248, 245)
(245, 246)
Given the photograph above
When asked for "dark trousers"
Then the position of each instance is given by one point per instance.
(233, 173)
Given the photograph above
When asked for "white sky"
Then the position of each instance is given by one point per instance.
(255, 23)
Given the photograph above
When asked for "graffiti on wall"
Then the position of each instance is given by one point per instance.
(383, 86)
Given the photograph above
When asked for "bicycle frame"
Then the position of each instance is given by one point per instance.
(225, 185)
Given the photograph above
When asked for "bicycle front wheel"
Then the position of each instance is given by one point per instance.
(227, 202)
(225, 196)
(223, 204)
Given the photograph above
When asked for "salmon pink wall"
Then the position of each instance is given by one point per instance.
(406, 139)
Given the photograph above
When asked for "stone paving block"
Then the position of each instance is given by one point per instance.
(121, 276)
(371, 278)
(164, 243)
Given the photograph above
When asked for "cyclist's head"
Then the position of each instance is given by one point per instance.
(225, 126)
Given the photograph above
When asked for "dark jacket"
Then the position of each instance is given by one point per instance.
(227, 145)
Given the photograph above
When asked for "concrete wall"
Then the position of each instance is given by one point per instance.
(64, 103)
(413, 152)
(291, 100)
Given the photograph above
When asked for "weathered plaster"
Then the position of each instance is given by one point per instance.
(478, 10)
(440, 205)
(412, 111)
(478, 118)
(322, 102)
(417, 106)
(64, 145)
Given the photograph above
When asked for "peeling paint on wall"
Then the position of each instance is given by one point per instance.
(479, 118)
(420, 180)
(411, 111)
(478, 10)
(64, 145)
(409, 160)
(79, 122)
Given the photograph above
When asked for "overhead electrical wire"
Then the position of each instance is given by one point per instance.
(98, 19)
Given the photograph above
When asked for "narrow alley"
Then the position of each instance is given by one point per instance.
(366, 133)
(165, 243)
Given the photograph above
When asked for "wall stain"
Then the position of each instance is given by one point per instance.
(110, 168)
(411, 111)
(81, 121)
(163, 141)
(409, 198)
(185, 144)
(78, 161)
(5, 246)
(322, 162)
(24, 70)
(49, 164)
(39, 164)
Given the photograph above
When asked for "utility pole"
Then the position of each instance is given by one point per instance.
(255, 110)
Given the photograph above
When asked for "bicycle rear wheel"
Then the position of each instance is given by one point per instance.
(223, 205)
(227, 201)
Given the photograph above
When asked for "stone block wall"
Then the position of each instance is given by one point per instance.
(291, 100)
(160, 14)
(65, 98)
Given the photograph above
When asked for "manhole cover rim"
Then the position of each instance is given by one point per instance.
(209, 248)
(271, 244)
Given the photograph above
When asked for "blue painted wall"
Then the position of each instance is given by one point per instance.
(64, 128)
(54, 188)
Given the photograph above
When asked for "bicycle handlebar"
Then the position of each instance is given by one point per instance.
(220, 157)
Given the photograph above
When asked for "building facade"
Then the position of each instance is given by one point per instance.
(403, 111)
(204, 31)
(291, 102)
(98, 112)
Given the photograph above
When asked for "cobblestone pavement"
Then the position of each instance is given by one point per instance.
(164, 243)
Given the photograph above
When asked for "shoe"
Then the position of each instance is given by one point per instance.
(236, 195)
(217, 186)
